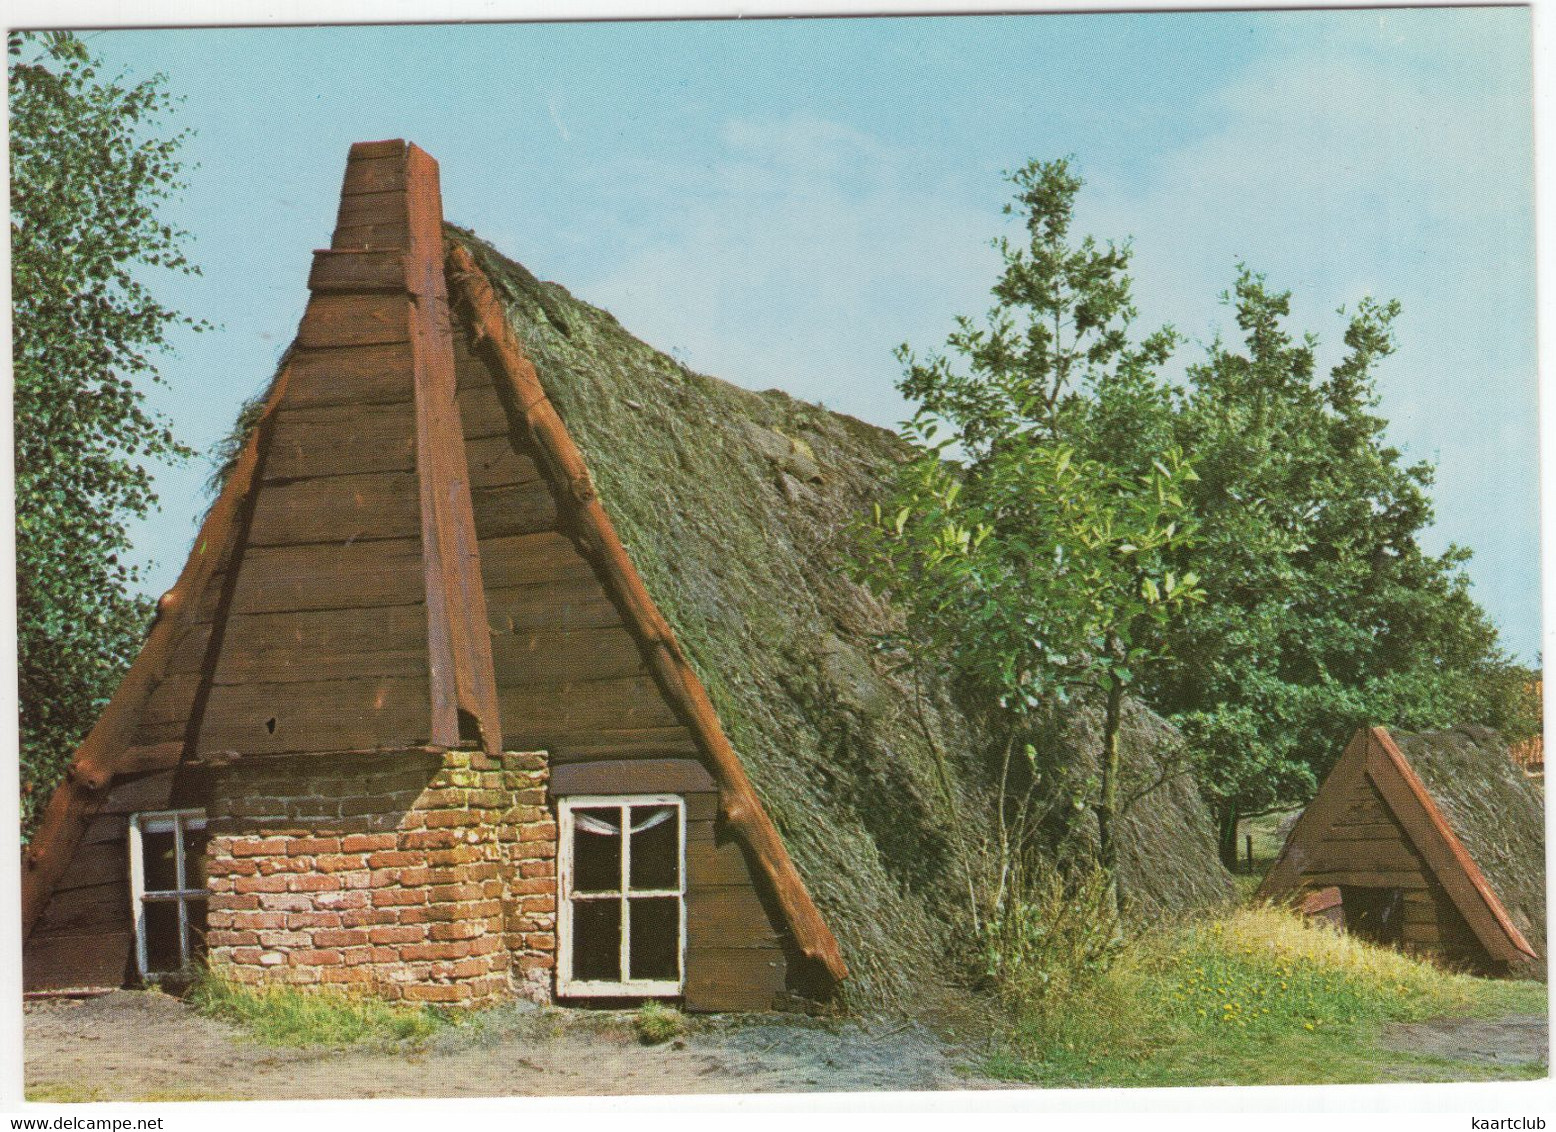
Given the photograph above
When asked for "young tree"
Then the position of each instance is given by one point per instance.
(88, 174)
(1035, 565)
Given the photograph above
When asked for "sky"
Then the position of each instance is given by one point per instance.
(780, 203)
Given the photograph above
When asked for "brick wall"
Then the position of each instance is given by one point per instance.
(423, 876)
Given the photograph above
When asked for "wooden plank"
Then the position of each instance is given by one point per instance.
(188, 656)
(1366, 878)
(99, 908)
(303, 717)
(387, 236)
(577, 602)
(709, 863)
(106, 862)
(725, 979)
(525, 560)
(584, 706)
(481, 410)
(172, 700)
(727, 916)
(1394, 854)
(566, 655)
(494, 461)
(514, 509)
(337, 509)
(702, 807)
(135, 793)
(608, 743)
(636, 776)
(329, 643)
(105, 828)
(371, 208)
(354, 320)
(1367, 831)
(374, 175)
(349, 375)
(357, 271)
(358, 576)
(1288, 874)
(342, 440)
(59, 960)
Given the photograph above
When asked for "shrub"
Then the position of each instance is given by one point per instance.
(655, 1023)
(1054, 938)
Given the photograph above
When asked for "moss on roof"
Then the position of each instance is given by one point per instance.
(733, 505)
(1494, 809)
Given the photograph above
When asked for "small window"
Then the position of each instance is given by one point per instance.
(623, 896)
(167, 890)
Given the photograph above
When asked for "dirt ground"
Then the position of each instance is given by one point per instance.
(132, 1045)
(1516, 1040)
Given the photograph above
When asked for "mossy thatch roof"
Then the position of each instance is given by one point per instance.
(1494, 809)
(733, 507)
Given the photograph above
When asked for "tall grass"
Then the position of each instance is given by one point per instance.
(1255, 996)
(291, 1016)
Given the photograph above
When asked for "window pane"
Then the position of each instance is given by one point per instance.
(162, 936)
(194, 857)
(656, 848)
(161, 869)
(597, 850)
(196, 918)
(597, 940)
(656, 938)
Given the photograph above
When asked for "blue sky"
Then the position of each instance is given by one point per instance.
(781, 202)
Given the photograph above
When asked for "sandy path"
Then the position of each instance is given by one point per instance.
(1516, 1040)
(129, 1045)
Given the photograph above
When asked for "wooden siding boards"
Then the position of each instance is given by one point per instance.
(1374, 824)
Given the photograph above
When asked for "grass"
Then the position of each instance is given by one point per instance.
(656, 1023)
(1257, 997)
(288, 1016)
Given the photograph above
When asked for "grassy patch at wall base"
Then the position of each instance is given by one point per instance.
(1255, 997)
(290, 1016)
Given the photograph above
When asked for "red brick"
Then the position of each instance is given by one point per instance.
(313, 882)
(313, 920)
(457, 929)
(247, 885)
(545, 832)
(456, 949)
(340, 862)
(434, 993)
(367, 842)
(400, 933)
(339, 937)
(432, 839)
(265, 848)
(308, 846)
(397, 896)
(393, 858)
(315, 958)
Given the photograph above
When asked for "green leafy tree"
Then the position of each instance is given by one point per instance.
(1034, 564)
(89, 171)
(1325, 613)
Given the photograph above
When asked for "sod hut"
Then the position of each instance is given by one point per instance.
(1434, 842)
(448, 698)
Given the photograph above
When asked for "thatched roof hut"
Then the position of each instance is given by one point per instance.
(506, 511)
(1434, 841)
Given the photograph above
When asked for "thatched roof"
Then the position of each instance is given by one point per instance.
(733, 507)
(1494, 809)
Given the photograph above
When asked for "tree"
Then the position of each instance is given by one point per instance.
(1325, 613)
(88, 175)
(1036, 564)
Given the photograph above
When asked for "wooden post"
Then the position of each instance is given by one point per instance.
(1248, 842)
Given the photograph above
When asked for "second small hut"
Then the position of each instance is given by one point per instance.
(1433, 842)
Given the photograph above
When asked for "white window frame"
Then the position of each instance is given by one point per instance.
(629, 988)
(178, 823)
